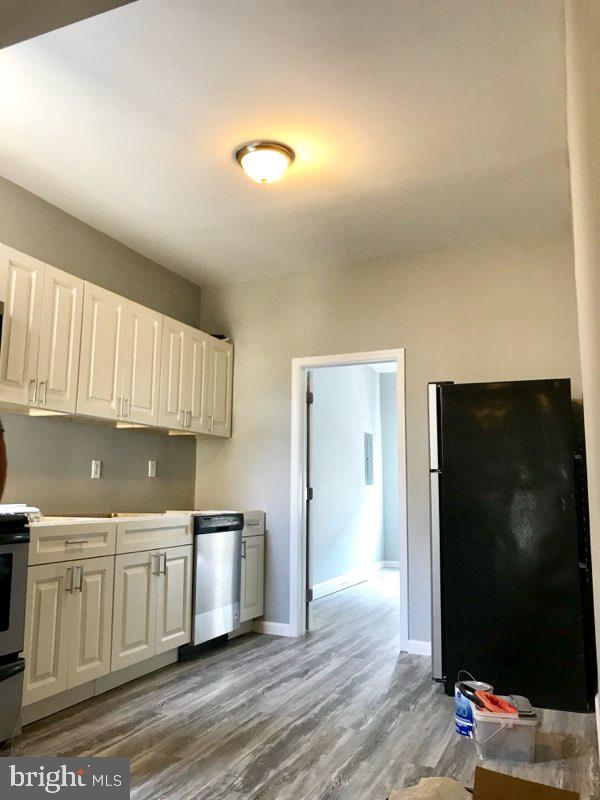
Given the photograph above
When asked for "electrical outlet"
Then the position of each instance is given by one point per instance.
(152, 469)
(96, 469)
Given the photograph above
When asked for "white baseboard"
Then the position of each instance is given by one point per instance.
(348, 579)
(419, 647)
(272, 628)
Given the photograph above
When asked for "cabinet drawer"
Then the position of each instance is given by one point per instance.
(150, 533)
(254, 523)
(52, 543)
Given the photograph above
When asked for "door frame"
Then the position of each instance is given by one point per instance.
(298, 486)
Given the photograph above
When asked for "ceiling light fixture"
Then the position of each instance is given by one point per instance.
(264, 161)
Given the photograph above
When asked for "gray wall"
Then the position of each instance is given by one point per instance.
(346, 521)
(49, 459)
(389, 457)
(49, 466)
(44, 231)
(499, 312)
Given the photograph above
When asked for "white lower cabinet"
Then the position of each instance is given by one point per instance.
(89, 650)
(253, 578)
(152, 604)
(174, 598)
(134, 609)
(68, 627)
(47, 630)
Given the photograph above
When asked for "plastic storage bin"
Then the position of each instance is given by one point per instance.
(503, 736)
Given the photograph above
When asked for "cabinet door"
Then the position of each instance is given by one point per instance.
(21, 284)
(48, 623)
(101, 371)
(196, 380)
(134, 609)
(89, 648)
(142, 369)
(253, 578)
(220, 382)
(174, 598)
(171, 374)
(60, 336)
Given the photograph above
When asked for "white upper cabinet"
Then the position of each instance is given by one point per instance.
(71, 347)
(220, 379)
(142, 365)
(60, 336)
(171, 411)
(196, 380)
(102, 362)
(41, 330)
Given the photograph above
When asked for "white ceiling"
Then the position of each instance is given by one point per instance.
(418, 124)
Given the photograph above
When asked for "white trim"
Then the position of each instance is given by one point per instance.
(390, 565)
(300, 367)
(272, 628)
(345, 581)
(597, 704)
(419, 647)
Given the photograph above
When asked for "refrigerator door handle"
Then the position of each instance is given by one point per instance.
(432, 390)
(436, 582)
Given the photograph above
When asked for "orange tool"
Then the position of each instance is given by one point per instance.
(495, 704)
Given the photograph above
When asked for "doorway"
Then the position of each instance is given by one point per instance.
(348, 514)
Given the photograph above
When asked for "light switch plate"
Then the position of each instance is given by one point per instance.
(152, 469)
(96, 469)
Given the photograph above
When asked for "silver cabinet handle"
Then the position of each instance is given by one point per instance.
(42, 397)
(32, 390)
(126, 407)
(79, 569)
(211, 423)
(156, 563)
(119, 406)
(163, 558)
(189, 419)
(76, 541)
(252, 523)
(70, 577)
(183, 418)
(243, 549)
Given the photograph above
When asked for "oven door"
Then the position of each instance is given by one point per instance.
(13, 590)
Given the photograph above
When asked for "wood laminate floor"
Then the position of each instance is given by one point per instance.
(337, 715)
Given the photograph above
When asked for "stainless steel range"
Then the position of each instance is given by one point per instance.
(14, 545)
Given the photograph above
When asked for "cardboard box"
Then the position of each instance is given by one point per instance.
(496, 786)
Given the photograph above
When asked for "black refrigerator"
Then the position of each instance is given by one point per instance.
(511, 573)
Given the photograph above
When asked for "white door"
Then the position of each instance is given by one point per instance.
(134, 609)
(48, 624)
(101, 370)
(253, 578)
(142, 368)
(60, 336)
(174, 598)
(21, 285)
(89, 648)
(220, 382)
(196, 380)
(171, 413)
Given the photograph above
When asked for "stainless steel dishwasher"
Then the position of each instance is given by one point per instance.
(217, 574)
